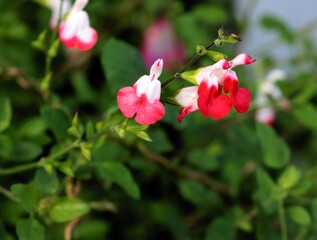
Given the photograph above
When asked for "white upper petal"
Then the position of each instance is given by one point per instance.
(80, 4)
(217, 69)
(187, 96)
(154, 90)
(76, 21)
(156, 69)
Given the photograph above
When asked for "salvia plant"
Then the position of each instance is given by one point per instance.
(165, 148)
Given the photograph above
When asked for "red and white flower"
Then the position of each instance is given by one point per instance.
(55, 6)
(217, 90)
(269, 91)
(75, 31)
(143, 98)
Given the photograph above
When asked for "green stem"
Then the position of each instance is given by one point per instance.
(193, 60)
(281, 213)
(64, 150)
(18, 169)
(49, 58)
(8, 194)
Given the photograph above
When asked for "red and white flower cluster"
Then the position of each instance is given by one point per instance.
(217, 91)
(75, 31)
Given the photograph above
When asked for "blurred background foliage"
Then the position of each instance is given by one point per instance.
(202, 179)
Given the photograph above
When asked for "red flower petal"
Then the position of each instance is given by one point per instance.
(230, 82)
(149, 113)
(128, 101)
(68, 42)
(206, 94)
(241, 100)
(86, 39)
(184, 112)
(220, 107)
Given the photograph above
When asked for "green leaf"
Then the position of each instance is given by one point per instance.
(92, 228)
(266, 186)
(5, 114)
(203, 159)
(56, 120)
(3, 234)
(221, 228)
(289, 178)
(82, 88)
(52, 52)
(11, 149)
(30, 229)
(121, 175)
(299, 215)
(32, 127)
(122, 65)
(28, 196)
(307, 115)
(46, 81)
(168, 215)
(272, 23)
(275, 152)
(46, 182)
(196, 193)
(64, 209)
(139, 131)
(85, 149)
(39, 43)
(314, 209)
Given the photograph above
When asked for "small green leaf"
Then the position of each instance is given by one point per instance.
(221, 228)
(46, 182)
(121, 175)
(52, 52)
(299, 215)
(39, 43)
(266, 185)
(75, 120)
(244, 225)
(5, 114)
(276, 153)
(307, 115)
(64, 209)
(74, 131)
(46, 81)
(196, 193)
(30, 229)
(28, 196)
(139, 131)
(56, 120)
(289, 178)
(12, 149)
(85, 149)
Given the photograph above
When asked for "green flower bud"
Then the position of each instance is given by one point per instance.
(216, 56)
